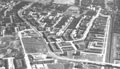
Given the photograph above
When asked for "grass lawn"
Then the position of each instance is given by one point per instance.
(33, 45)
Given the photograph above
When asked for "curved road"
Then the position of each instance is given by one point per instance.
(65, 58)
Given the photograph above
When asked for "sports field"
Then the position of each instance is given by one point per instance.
(33, 45)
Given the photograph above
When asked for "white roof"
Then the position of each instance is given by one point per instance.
(64, 2)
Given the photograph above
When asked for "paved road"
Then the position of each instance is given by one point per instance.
(82, 61)
(109, 57)
(20, 36)
(76, 60)
(87, 30)
(25, 54)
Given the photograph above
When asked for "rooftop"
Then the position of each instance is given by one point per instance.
(64, 2)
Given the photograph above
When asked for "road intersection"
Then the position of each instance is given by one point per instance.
(84, 36)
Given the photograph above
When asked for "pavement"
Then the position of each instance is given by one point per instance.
(25, 54)
(20, 36)
(85, 35)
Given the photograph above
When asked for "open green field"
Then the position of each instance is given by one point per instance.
(33, 45)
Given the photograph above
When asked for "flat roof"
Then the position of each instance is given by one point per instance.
(64, 2)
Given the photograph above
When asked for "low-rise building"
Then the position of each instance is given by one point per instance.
(71, 2)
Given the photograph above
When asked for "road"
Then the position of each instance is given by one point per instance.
(21, 16)
(110, 45)
(25, 54)
(104, 63)
(107, 46)
(87, 30)
(82, 61)
(107, 35)
(76, 60)
(110, 52)
(90, 25)
(20, 36)
(33, 28)
(84, 35)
